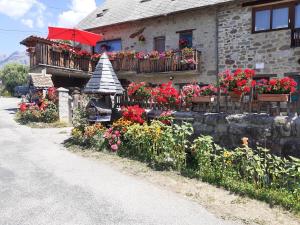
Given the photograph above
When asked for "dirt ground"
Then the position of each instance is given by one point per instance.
(216, 200)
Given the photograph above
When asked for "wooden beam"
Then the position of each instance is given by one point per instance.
(259, 2)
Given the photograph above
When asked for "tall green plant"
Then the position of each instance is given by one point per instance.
(13, 75)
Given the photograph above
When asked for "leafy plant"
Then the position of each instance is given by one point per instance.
(13, 75)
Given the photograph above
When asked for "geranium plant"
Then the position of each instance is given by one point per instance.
(142, 38)
(208, 90)
(166, 117)
(134, 113)
(95, 57)
(284, 85)
(166, 95)
(189, 91)
(139, 91)
(239, 82)
(154, 55)
(183, 43)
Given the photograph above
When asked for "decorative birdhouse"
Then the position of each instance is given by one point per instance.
(103, 86)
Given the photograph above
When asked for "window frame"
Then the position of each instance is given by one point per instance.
(109, 40)
(291, 16)
(190, 31)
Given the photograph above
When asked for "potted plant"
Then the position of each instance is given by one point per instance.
(142, 39)
(166, 95)
(189, 92)
(275, 90)
(238, 83)
(154, 55)
(141, 55)
(183, 43)
(206, 94)
(139, 91)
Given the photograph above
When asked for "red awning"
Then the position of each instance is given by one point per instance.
(75, 35)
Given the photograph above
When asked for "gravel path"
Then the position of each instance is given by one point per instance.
(42, 183)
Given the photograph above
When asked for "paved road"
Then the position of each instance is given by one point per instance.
(42, 183)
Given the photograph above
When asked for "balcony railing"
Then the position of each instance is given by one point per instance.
(295, 39)
(45, 54)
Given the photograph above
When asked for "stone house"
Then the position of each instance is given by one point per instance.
(262, 35)
(225, 34)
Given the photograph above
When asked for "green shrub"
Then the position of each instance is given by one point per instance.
(164, 147)
(35, 114)
(257, 174)
(13, 75)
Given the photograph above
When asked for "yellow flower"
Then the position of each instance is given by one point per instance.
(227, 154)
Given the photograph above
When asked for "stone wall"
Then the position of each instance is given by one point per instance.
(204, 39)
(280, 134)
(238, 47)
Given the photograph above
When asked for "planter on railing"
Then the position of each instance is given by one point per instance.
(56, 49)
(203, 99)
(273, 97)
(234, 96)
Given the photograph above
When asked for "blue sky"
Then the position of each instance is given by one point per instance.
(21, 18)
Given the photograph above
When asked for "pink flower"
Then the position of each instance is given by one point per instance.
(115, 147)
(118, 142)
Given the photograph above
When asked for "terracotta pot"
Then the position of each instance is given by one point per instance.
(200, 99)
(234, 96)
(273, 97)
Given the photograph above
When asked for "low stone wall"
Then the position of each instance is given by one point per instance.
(281, 134)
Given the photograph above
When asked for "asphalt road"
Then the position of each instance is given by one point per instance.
(42, 183)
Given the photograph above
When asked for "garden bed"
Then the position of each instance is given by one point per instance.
(218, 201)
(166, 146)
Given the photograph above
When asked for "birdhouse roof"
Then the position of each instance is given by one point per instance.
(104, 80)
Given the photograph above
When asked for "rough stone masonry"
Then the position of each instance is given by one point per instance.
(280, 134)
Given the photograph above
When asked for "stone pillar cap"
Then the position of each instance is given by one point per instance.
(61, 89)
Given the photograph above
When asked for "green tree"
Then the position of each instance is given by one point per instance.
(13, 75)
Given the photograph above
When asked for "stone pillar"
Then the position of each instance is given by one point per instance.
(64, 106)
(76, 99)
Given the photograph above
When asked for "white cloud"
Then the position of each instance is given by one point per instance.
(27, 22)
(78, 10)
(30, 12)
(16, 9)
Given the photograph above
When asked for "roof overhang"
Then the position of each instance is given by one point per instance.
(32, 40)
(262, 2)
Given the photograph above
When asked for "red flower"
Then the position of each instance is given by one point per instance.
(23, 107)
(273, 82)
(239, 82)
(166, 95)
(285, 85)
(134, 113)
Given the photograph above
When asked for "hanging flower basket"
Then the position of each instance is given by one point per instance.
(203, 99)
(273, 97)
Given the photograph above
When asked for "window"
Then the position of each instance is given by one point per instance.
(160, 44)
(280, 18)
(262, 20)
(270, 18)
(109, 46)
(185, 39)
(297, 16)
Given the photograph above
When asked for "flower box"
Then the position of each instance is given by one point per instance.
(273, 97)
(56, 49)
(234, 96)
(201, 99)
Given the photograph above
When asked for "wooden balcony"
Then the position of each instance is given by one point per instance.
(43, 54)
